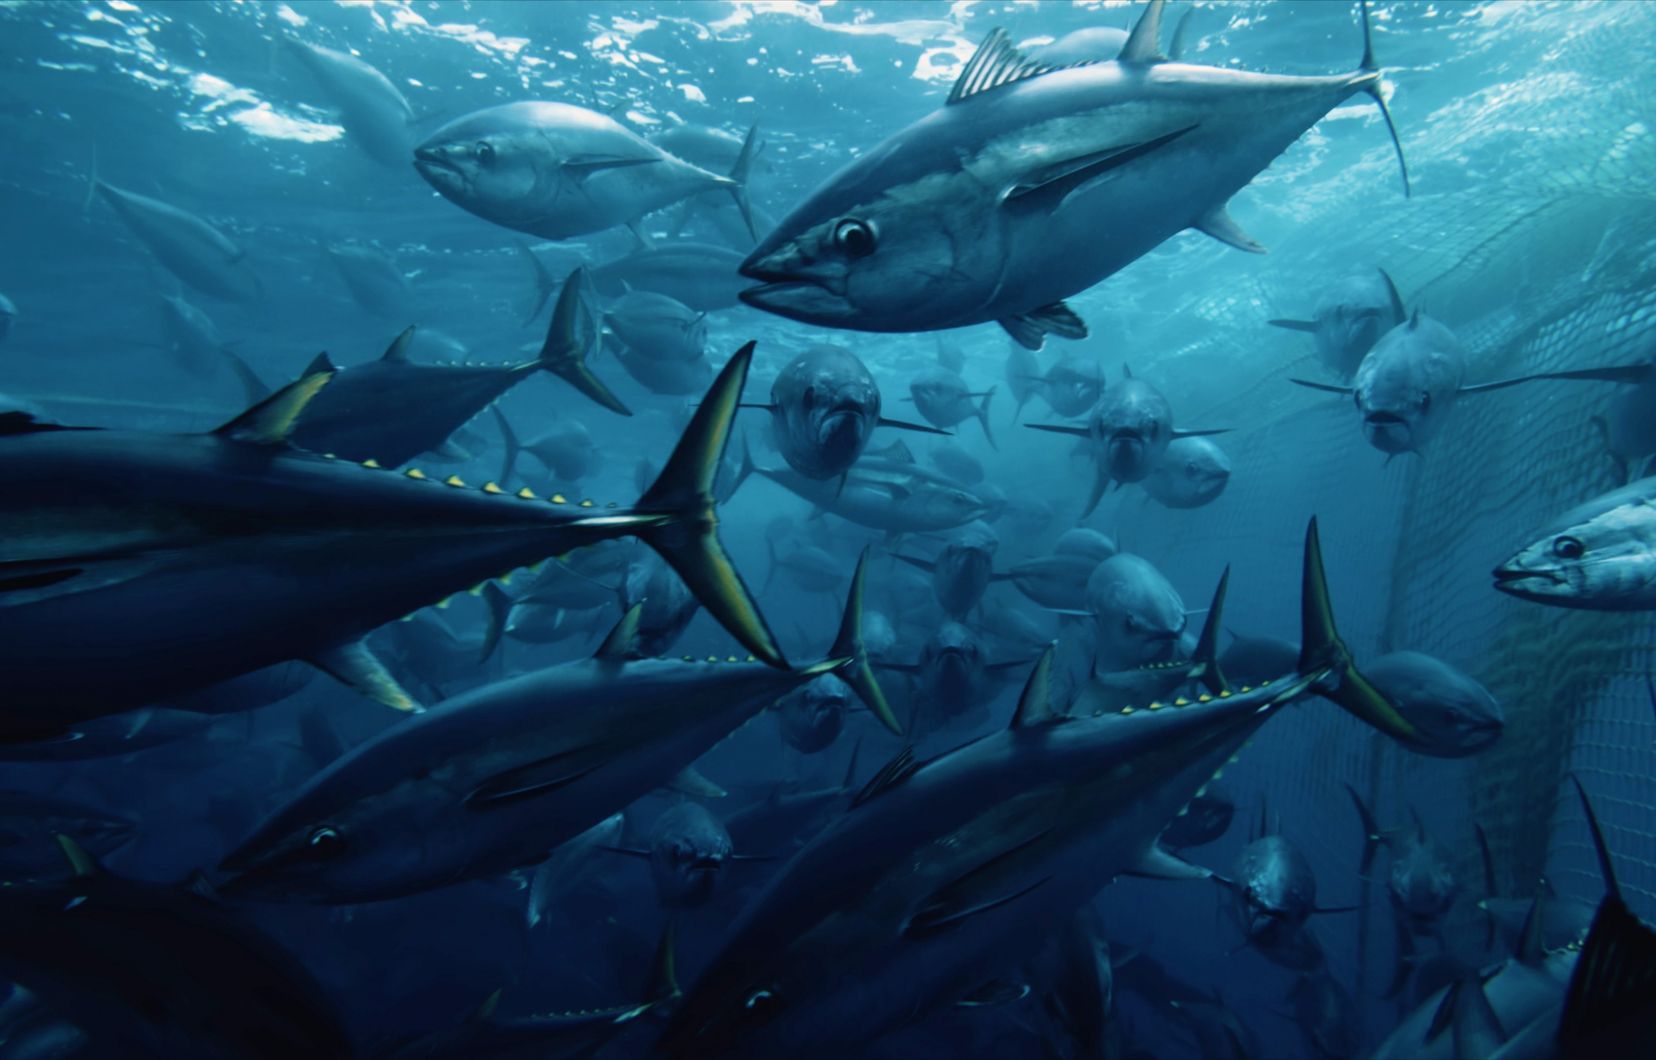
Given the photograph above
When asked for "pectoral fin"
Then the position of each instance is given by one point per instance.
(1157, 863)
(1330, 387)
(1623, 373)
(1044, 190)
(904, 425)
(1030, 329)
(535, 778)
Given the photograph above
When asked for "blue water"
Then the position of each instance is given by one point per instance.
(1505, 111)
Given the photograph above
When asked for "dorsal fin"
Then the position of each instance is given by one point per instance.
(1144, 43)
(1035, 705)
(1398, 312)
(622, 642)
(890, 775)
(998, 62)
(272, 420)
(397, 352)
(320, 363)
(663, 982)
(1607, 869)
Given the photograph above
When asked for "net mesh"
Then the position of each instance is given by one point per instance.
(1550, 266)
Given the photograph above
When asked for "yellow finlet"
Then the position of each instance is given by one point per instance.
(442, 604)
(492, 487)
(526, 494)
(1155, 704)
(1126, 710)
(731, 658)
(371, 462)
(454, 480)
(1181, 702)
(558, 498)
(1204, 698)
(586, 503)
(414, 472)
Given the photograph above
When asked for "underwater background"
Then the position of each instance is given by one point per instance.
(1531, 232)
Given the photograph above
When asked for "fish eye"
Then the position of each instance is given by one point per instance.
(1426, 401)
(324, 842)
(485, 152)
(854, 237)
(1568, 547)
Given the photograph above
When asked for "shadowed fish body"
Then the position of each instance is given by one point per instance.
(192, 249)
(703, 276)
(146, 566)
(880, 501)
(497, 777)
(376, 116)
(372, 277)
(824, 406)
(30, 824)
(393, 409)
(813, 717)
(1350, 318)
(150, 970)
(944, 874)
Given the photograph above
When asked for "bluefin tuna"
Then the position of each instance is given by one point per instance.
(1406, 385)
(1032, 184)
(135, 567)
(191, 248)
(945, 873)
(1599, 556)
(824, 406)
(1350, 318)
(374, 112)
(495, 778)
(559, 171)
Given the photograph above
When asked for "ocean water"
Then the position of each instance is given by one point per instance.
(1528, 233)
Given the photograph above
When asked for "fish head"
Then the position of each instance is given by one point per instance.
(954, 661)
(497, 169)
(1423, 884)
(1192, 472)
(1132, 428)
(327, 847)
(813, 717)
(881, 247)
(945, 506)
(689, 850)
(1405, 382)
(1599, 556)
(826, 405)
(1276, 887)
(1140, 616)
(1455, 715)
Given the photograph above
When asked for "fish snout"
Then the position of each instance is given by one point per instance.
(1388, 432)
(1128, 456)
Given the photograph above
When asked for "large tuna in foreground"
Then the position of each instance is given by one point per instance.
(1032, 184)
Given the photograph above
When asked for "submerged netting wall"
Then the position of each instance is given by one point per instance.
(1547, 262)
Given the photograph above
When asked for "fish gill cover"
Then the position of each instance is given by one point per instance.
(199, 198)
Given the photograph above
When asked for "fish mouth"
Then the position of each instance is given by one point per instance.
(706, 863)
(1127, 456)
(437, 168)
(792, 294)
(1517, 581)
(1388, 432)
(842, 427)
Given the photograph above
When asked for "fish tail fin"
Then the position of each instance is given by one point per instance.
(1606, 1005)
(539, 276)
(499, 611)
(848, 645)
(738, 186)
(983, 418)
(1371, 830)
(1369, 81)
(1322, 652)
(571, 336)
(509, 440)
(687, 535)
(744, 469)
(1206, 656)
